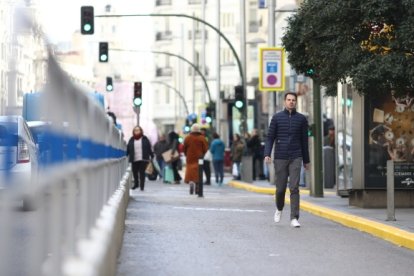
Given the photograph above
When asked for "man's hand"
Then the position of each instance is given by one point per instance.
(306, 166)
(267, 159)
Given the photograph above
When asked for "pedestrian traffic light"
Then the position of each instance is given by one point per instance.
(137, 94)
(239, 96)
(109, 85)
(87, 20)
(103, 52)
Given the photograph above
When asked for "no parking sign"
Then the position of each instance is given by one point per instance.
(272, 70)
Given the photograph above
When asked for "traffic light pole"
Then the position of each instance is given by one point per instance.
(180, 57)
(243, 81)
(317, 190)
(177, 92)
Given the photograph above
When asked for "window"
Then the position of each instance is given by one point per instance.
(167, 95)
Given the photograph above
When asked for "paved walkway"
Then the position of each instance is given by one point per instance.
(335, 208)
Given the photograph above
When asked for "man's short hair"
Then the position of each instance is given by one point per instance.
(291, 93)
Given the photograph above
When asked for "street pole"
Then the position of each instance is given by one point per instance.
(243, 123)
(194, 60)
(242, 76)
(271, 43)
(218, 99)
(180, 95)
(317, 113)
(180, 57)
(203, 43)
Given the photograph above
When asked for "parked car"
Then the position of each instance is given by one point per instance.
(18, 154)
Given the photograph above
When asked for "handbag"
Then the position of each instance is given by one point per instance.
(207, 156)
(150, 168)
(169, 156)
(235, 171)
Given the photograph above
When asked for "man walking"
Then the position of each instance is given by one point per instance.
(288, 130)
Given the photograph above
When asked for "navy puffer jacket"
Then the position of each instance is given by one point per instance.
(289, 133)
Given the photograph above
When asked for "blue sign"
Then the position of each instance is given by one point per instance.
(262, 4)
(271, 67)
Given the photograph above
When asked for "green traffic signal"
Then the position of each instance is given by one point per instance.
(239, 104)
(87, 27)
(103, 51)
(137, 102)
(87, 20)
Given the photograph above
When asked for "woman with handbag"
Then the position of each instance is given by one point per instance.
(237, 149)
(140, 153)
(173, 145)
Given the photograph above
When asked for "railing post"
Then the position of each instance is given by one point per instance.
(200, 177)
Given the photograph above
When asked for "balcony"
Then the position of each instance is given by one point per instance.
(190, 69)
(166, 35)
(163, 72)
(163, 2)
(198, 34)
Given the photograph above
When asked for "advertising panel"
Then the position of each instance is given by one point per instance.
(389, 136)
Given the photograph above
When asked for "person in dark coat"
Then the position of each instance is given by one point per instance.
(173, 144)
(255, 147)
(159, 148)
(288, 132)
(140, 153)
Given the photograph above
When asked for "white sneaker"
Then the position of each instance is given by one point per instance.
(278, 215)
(295, 223)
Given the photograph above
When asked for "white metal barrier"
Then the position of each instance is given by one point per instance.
(80, 196)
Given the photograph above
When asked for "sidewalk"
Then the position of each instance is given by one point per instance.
(335, 208)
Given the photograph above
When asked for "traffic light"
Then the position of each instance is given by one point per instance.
(109, 85)
(187, 126)
(310, 72)
(87, 20)
(209, 115)
(103, 51)
(311, 130)
(238, 96)
(137, 94)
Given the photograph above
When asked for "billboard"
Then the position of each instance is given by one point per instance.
(389, 136)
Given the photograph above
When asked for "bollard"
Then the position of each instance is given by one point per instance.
(390, 191)
(200, 177)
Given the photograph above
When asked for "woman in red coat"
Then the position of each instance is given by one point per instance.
(195, 146)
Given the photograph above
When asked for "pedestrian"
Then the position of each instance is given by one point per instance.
(160, 147)
(140, 153)
(195, 147)
(217, 148)
(237, 149)
(254, 145)
(329, 139)
(207, 159)
(173, 144)
(288, 131)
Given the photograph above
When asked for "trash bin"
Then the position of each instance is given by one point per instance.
(328, 167)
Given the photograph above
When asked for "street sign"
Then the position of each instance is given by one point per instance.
(272, 69)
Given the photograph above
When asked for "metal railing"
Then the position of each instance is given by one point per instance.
(77, 196)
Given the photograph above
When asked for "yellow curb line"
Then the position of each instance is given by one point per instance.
(386, 232)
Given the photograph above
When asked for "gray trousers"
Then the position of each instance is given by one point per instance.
(283, 170)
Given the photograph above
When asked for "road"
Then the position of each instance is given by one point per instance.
(231, 232)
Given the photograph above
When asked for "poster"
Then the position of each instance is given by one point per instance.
(390, 136)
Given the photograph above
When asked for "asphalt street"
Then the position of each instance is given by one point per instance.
(231, 232)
